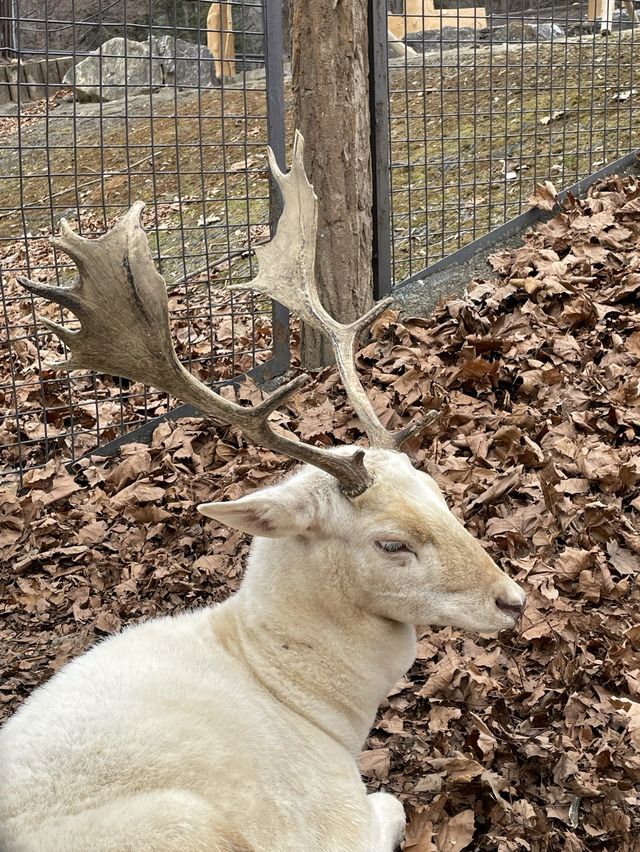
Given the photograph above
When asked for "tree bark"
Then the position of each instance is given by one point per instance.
(330, 67)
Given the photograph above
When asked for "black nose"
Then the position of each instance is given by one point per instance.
(514, 610)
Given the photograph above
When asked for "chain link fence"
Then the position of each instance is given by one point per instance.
(489, 100)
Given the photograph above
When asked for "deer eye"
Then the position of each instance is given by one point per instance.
(394, 547)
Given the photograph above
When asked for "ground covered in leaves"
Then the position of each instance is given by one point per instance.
(529, 741)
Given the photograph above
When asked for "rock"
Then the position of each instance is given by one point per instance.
(446, 36)
(104, 73)
(550, 32)
(184, 63)
(522, 32)
(248, 30)
(148, 66)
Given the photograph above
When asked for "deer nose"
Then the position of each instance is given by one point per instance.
(512, 608)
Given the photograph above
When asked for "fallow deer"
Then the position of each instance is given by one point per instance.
(238, 726)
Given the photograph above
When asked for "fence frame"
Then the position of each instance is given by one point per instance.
(379, 114)
(383, 197)
(525, 220)
(281, 358)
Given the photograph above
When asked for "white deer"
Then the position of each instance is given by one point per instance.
(237, 728)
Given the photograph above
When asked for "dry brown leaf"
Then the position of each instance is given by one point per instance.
(419, 833)
(536, 373)
(457, 833)
(544, 196)
(374, 763)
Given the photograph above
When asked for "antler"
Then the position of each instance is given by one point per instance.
(287, 274)
(121, 302)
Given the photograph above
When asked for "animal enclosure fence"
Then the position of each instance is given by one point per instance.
(107, 104)
(501, 97)
(102, 103)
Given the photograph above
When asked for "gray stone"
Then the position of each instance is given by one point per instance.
(522, 32)
(432, 39)
(118, 68)
(123, 68)
(185, 64)
(550, 32)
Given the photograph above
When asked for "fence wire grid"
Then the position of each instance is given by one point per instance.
(151, 115)
(103, 103)
(489, 101)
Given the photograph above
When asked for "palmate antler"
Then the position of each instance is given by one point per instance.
(287, 274)
(121, 302)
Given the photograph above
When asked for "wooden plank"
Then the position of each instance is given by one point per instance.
(422, 15)
(397, 26)
(50, 75)
(220, 39)
(55, 76)
(601, 11)
(594, 10)
(64, 63)
(44, 74)
(25, 97)
(12, 79)
(468, 17)
(631, 11)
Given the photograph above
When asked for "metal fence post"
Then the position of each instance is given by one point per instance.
(273, 49)
(379, 113)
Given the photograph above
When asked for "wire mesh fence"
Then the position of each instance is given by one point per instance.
(490, 100)
(136, 106)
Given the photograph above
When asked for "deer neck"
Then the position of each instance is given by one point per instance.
(293, 624)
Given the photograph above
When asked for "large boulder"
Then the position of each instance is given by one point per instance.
(522, 32)
(548, 31)
(118, 68)
(445, 37)
(123, 68)
(184, 64)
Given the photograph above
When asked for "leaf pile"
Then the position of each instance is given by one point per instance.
(528, 741)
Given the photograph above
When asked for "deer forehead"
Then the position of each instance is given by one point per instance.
(418, 511)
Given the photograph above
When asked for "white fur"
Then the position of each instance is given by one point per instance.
(237, 727)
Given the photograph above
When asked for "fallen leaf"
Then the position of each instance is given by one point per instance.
(544, 196)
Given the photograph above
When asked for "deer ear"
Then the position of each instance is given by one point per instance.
(266, 513)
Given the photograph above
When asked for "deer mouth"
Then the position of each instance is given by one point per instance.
(512, 609)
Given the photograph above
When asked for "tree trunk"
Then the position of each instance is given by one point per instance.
(330, 84)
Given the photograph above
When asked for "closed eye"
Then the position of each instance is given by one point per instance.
(394, 547)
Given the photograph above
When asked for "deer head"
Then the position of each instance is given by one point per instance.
(408, 558)
(395, 551)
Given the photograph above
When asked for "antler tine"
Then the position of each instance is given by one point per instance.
(121, 302)
(287, 274)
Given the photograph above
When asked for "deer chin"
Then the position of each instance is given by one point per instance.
(483, 624)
